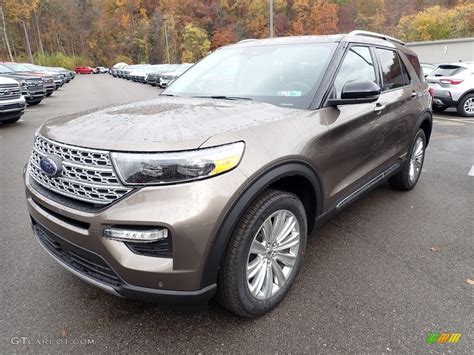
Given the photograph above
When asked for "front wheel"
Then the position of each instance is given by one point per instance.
(264, 254)
(407, 178)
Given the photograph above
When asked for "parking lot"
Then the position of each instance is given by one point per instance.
(378, 277)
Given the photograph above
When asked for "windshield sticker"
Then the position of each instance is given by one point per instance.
(289, 93)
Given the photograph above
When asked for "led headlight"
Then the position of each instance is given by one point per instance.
(174, 167)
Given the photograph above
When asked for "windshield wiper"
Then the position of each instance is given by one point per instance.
(223, 97)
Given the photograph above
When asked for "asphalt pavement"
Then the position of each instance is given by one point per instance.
(378, 277)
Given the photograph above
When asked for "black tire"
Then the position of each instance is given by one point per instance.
(49, 94)
(34, 103)
(439, 108)
(462, 110)
(233, 291)
(10, 120)
(402, 180)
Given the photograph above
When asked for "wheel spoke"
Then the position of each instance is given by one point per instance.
(257, 283)
(268, 285)
(254, 267)
(277, 271)
(286, 230)
(277, 225)
(267, 230)
(287, 259)
(292, 240)
(257, 247)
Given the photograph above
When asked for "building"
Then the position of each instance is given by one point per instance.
(445, 50)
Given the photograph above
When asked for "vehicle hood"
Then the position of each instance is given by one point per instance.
(18, 76)
(161, 124)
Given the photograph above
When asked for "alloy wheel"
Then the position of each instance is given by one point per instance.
(273, 254)
(416, 160)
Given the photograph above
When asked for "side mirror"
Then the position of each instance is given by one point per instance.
(357, 92)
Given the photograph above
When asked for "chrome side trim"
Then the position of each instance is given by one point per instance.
(83, 277)
(351, 197)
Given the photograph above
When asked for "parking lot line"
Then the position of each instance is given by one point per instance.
(471, 172)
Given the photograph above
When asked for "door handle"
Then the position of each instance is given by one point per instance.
(414, 94)
(379, 107)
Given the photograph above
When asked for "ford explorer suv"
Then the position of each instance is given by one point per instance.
(453, 86)
(31, 86)
(12, 104)
(212, 188)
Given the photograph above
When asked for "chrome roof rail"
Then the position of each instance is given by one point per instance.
(247, 40)
(376, 35)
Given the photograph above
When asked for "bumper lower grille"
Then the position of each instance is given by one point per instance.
(82, 261)
(87, 175)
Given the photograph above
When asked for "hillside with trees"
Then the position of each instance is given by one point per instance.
(102, 32)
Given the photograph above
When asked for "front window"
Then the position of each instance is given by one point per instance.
(283, 75)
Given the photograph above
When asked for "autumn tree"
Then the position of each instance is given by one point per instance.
(195, 44)
(324, 18)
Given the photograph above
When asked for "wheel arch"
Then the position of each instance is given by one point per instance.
(293, 176)
(425, 122)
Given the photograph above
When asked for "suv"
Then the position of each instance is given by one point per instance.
(20, 69)
(12, 104)
(453, 86)
(215, 185)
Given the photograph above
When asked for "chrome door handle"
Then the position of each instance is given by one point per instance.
(414, 94)
(379, 108)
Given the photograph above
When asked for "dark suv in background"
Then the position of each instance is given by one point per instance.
(213, 187)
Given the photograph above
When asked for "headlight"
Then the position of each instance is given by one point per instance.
(174, 167)
(23, 83)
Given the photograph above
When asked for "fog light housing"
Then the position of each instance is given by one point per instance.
(136, 235)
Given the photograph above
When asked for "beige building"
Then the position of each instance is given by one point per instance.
(445, 50)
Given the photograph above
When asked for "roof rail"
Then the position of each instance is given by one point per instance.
(376, 35)
(247, 40)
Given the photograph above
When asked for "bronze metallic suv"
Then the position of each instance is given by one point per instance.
(212, 188)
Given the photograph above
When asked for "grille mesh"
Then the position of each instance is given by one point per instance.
(87, 175)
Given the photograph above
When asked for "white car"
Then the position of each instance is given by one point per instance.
(12, 103)
(453, 86)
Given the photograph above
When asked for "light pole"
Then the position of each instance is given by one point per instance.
(271, 18)
(166, 38)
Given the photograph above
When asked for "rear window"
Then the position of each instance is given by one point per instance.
(447, 70)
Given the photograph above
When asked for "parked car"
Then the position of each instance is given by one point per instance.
(100, 70)
(153, 78)
(453, 86)
(215, 185)
(31, 86)
(427, 68)
(12, 104)
(83, 70)
(166, 78)
(48, 81)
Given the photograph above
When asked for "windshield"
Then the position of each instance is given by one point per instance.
(283, 75)
(16, 67)
(5, 70)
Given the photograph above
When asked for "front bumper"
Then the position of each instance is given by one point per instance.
(189, 211)
(11, 108)
(33, 95)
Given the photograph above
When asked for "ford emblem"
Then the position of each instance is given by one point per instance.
(51, 165)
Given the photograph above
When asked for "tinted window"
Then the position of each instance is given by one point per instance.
(413, 59)
(392, 72)
(406, 76)
(284, 75)
(356, 66)
(447, 70)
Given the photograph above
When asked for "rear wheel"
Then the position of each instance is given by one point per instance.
(466, 106)
(407, 178)
(264, 254)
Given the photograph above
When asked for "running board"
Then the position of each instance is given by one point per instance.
(383, 175)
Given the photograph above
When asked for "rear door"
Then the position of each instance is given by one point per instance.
(399, 95)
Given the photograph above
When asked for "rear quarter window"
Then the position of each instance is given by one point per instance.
(415, 63)
(447, 70)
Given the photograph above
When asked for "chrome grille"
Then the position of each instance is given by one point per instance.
(87, 174)
(34, 83)
(10, 93)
